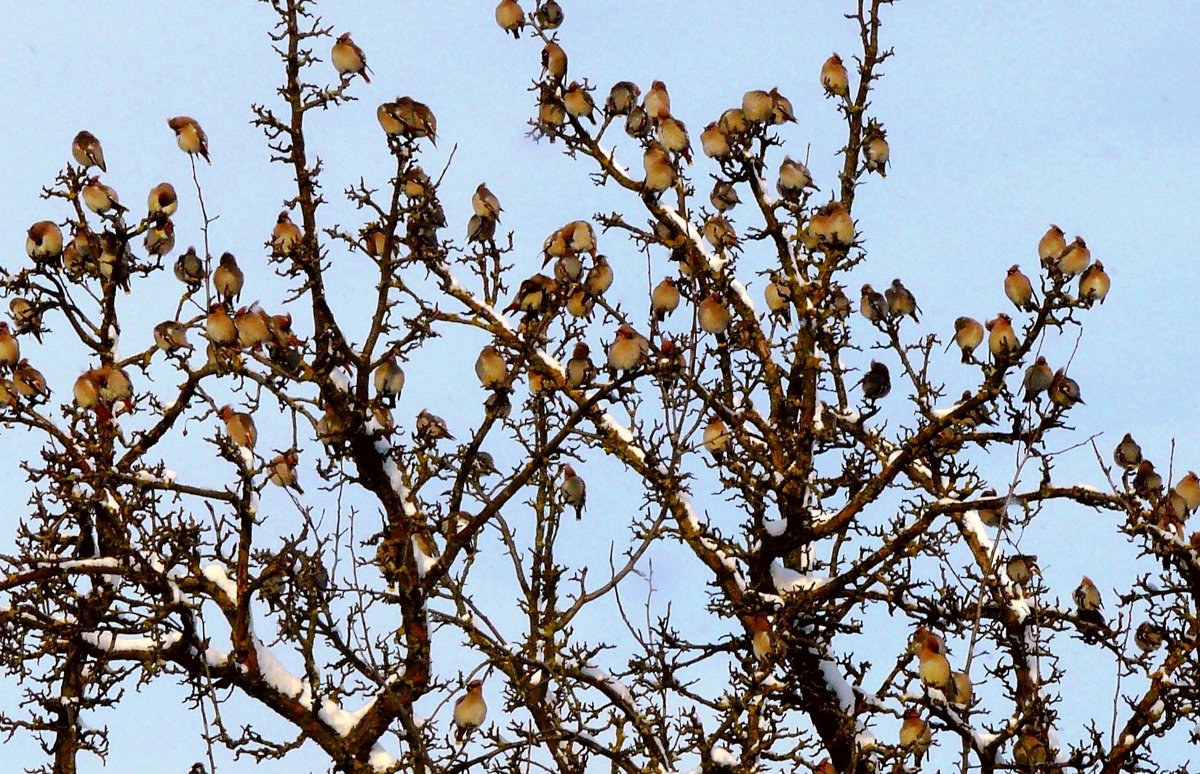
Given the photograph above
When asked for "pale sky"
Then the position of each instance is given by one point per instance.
(1002, 118)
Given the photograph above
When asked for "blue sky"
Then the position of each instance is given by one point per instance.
(1001, 120)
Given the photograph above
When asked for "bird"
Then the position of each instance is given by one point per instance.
(1093, 284)
(934, 668)
(778, 295)
(282, 470)
(574, 490)
(26, 317)
(733, 122)
(533, 294)
(87, 151)
(431, 427)
(1147, 482)
(554, 62)
(189, 136)
(470, 710)
(1088, 602)
(964, 690)
(714, 317)
(10, 347)
(348, 59)
(1038, 378)
(877, 382)
(719, 233)
(1020, 569)
(1028, 751)
(239, 426)
(159, 239)
(579, 302)
(1002, 339)
(781, 108)
(416, 118)
(253, 327)
(101, 198)
(876, 151)
(389, 379)
(757, 106)
(1019, 289)
(901, 302)
(285, 237)
(715, 142)
(657, 102)
(114, 386)
(491, 368)
(29, 382)
(578, 102)
(915, 734)
(579, 368)
(1063, 390)
(44, 241)
(872, 304)
(485, 203)
(834, 78)
(1052, 245)
(189, 269)
(968, 335)
(760, 637)
(86, 390)
(171, 336)
(1188, 488)
(626, 351)
(672, 133)
(622, 98)
(794, 179)
(510, 17)
(1149, 637)
(1075, 259)
(1127, 453)
(716, 436)
(660, 174)
(228, 278)
(549, 14)
(831, 225)
(637, 122)
(219, 327)
(162, 202)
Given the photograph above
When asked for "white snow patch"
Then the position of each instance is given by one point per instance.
(838, 684)
(741, 291)
(218, 574)
(722, 756)
(123, 644)
(788, 581)
(973, 524)
(278, 677)
(775, 527)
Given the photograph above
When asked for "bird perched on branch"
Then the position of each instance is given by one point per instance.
(86, 150)
(574, 490)
(834, 78)
(1088, 603)
(470, 710)
(968, 335)
(190, 138)
(349, 59)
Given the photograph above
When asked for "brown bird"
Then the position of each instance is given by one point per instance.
(714, 317)
(162, 202)
(637, 122)
(114, 385)
(485, 203)
(510, 17)
(189, 269)
(832, 225)
(672, 133)
(1028, 751)
(626, 351)
(389, 379)
(470, 710)
(549, 15)
(348, 59)
(872, 304)
(29, 382)
(1075, 259)
(416, 118)
(253, 327)
(1038, 378)
(901, 302)
(719, 233)
(834, 78)
(491, 368)
(285, 237)
(794, 179)
(876, 151)
(386, 115)
(664, 299)
(660, 174)
(757, 106)
(579, 368)
(1147, 482)
(1052, 245)
(1093, 284)
(189, 136)
(282, 471)
(1128, 454)
(760, 637)
(574, 491)
(934, 669)
(781, 108)
(716, 436)
(159, 239)
(1002, 339)
(915, 735)
(10, 347)
(534, 295)
(1063, 390)
(578, 102)
(715, 142)
(44, 241)
(622, 98)
(219, 327)
(26, 317)
(480, 229)
(1088, 602)
(657, 102)
(579, 302)
(1188, 488)
(877, 382)
(968, 335)
(1149, 637)
(87, 151)
(86, 390)
(101, 198)
(1020, 569)
(554, 62)
(1019, 289)
(228, 278)
(733, 122)
(239, 426)
(964, 691)
(171, 336)
(431, 427)
(778, 296)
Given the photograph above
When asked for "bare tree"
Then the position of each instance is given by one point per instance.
(412, 538)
